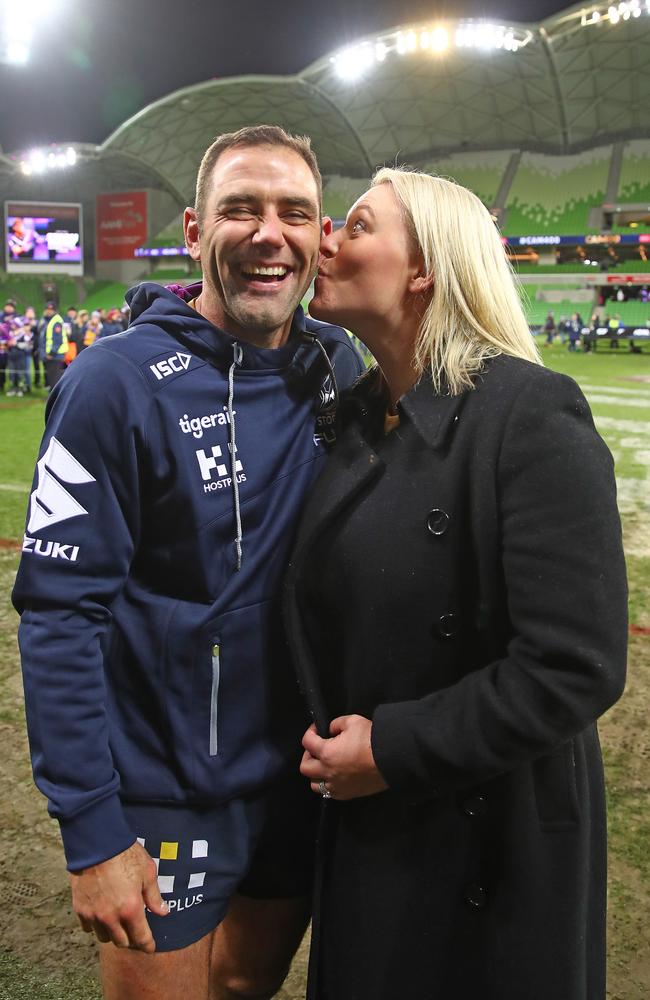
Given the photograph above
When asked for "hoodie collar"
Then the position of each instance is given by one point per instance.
(168, 308)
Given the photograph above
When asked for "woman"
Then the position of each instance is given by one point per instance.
(458, 626)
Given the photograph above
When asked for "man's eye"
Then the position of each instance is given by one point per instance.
(240, 212)
(357, 227)
(295, 216)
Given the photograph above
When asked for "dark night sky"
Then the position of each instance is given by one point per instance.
(96, 62)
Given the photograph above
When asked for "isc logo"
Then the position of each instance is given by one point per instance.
(170, 366)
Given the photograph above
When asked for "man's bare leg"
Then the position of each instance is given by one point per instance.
(246, 958)
(133, 975)
(253, 947)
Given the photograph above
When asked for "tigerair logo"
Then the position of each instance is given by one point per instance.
(209, 463)
(172, 856)
(171, 366)
(196, 425)
(51, 502)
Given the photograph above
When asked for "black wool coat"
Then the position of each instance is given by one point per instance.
(460, 581)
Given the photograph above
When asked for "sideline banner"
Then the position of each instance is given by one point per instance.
(120, 224)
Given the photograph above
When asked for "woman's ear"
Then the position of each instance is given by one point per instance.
(420, 283)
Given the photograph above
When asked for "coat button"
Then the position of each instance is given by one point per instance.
(448, 625)
(475, 806)
(475, 896)
(437, 521)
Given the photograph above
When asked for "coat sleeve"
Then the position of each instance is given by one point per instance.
(82, 530)
(562, 558)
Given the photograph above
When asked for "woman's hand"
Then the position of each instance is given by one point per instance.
(344, 762)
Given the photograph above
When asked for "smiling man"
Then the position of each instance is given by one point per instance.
(164, 721)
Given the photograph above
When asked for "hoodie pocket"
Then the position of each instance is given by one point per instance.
(214, 698)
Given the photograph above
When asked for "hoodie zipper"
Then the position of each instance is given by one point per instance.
(214, 700)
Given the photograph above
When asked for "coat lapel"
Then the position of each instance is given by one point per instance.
(352, 465)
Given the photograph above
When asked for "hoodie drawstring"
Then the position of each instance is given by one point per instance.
(237, 360)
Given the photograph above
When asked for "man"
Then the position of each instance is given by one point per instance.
(39, 344)
(54, 347)
(159, 696)
(7, 316)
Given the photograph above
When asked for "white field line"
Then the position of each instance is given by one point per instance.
(624, 426)
(632, 495)
(16, 487)
(613, 390)
(608, 400)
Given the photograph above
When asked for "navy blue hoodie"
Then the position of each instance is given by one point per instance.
(173, 467)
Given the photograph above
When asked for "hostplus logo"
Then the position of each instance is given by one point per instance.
(176, 865)
(214, 471)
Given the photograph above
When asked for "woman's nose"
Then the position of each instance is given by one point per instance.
(328, 245)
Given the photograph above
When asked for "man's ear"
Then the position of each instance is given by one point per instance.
(191, 232)
(327, 226)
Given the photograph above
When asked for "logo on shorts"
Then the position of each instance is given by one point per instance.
(169, 882)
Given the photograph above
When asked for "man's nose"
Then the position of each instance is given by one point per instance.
(269, 231)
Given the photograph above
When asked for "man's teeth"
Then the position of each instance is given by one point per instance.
(276, 272)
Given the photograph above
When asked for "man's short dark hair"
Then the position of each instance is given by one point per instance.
(252, 135)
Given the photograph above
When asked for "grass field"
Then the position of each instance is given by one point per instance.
(44, 955)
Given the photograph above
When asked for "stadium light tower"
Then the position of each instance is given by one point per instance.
(18, 21)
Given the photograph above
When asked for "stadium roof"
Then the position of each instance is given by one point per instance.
(573, 81)
(577, 79)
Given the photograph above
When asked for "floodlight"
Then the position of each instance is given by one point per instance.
(17, 53)
(439, 40)
(351, 62)
(614, 15)
(19, 19)
(37, 161)
(380, 51)
(411, 41)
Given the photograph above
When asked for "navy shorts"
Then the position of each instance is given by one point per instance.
(261, 847)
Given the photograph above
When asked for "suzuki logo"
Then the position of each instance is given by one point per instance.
(50, 502)
(177, 363)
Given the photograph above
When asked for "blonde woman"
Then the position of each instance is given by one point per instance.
(456, 605)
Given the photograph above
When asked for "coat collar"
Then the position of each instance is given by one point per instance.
(431, 414)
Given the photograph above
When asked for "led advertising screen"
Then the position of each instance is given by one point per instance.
(42, 237)
(120, 224)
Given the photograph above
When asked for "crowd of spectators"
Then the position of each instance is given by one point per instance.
(35, 351)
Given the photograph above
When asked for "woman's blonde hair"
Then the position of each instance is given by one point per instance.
(475, 311)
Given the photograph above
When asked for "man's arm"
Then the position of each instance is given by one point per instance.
(83, 526)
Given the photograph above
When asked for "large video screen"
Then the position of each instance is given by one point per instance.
(42, 237)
